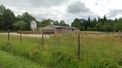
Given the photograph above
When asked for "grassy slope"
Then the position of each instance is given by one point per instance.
(97, 51)
(10, 61)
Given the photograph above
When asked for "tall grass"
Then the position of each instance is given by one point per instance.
(9, 61)
(60, 51)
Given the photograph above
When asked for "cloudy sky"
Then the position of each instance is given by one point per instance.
(66, 10)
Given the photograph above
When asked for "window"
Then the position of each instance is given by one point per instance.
(72, 30)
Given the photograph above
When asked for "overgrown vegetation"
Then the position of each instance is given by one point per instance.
(10, 61)
(100, 24)
(60, 51)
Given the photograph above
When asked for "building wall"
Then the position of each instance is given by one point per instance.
(71, 31)
(59, 31)
(39, 30)
(50, 30)
(67, 31)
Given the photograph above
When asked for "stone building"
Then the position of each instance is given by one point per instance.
(54, 29)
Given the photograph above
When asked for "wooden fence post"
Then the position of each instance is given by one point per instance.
(79, 46)
(21, 37)
(42, 40)
(8, 35)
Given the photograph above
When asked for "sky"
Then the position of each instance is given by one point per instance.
(66, 10)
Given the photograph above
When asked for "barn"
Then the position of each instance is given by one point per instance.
(54, 29)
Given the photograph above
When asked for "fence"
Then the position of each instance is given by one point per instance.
(57, 38)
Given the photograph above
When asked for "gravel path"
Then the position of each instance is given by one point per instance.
(27, 35)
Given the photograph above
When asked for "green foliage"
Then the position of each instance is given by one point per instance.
(27, 18)
(118, 25)
(44, 22)
(20, 24)
(77, 23)
(7, 18)
(62, 23)
(102, 24)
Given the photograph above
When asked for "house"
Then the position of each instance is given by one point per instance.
(54, 29)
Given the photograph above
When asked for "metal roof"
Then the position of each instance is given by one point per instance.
(65, 27)
(55, 26)
(71, 27)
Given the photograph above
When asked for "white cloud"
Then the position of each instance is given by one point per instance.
(114, 13)
(77, 7)
(64, 9)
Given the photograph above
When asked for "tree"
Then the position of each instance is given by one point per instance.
(7, 18)
(89, 29)
(98, 26)
(56, 22)
(118, 25)
(77, 23)
(62, 23)
(2, 9)
(104, 19)
(27, 18)
(44, 22)
(20, 24)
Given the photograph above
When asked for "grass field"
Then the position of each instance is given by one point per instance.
(98, 50)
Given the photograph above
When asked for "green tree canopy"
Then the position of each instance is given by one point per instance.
(7, 18)
(27, 18)
(20, 24)
(118, 25)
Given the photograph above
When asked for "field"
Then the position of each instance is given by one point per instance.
(98, 50)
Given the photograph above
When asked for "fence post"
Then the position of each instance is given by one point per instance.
(8, 35)
(21, 37)
(79, 46)
(42, 40)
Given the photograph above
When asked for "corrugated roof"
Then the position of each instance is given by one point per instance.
(48, 27)
(58, 27)
(71, 27)
(55, 26)
(67, 27)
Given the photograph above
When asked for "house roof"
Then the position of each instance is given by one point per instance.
(59, 27)
(65, 27)
(71, 27)
(48, 27)
(56, 26)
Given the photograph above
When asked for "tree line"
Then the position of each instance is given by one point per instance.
(99, 24)
(8, 20)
